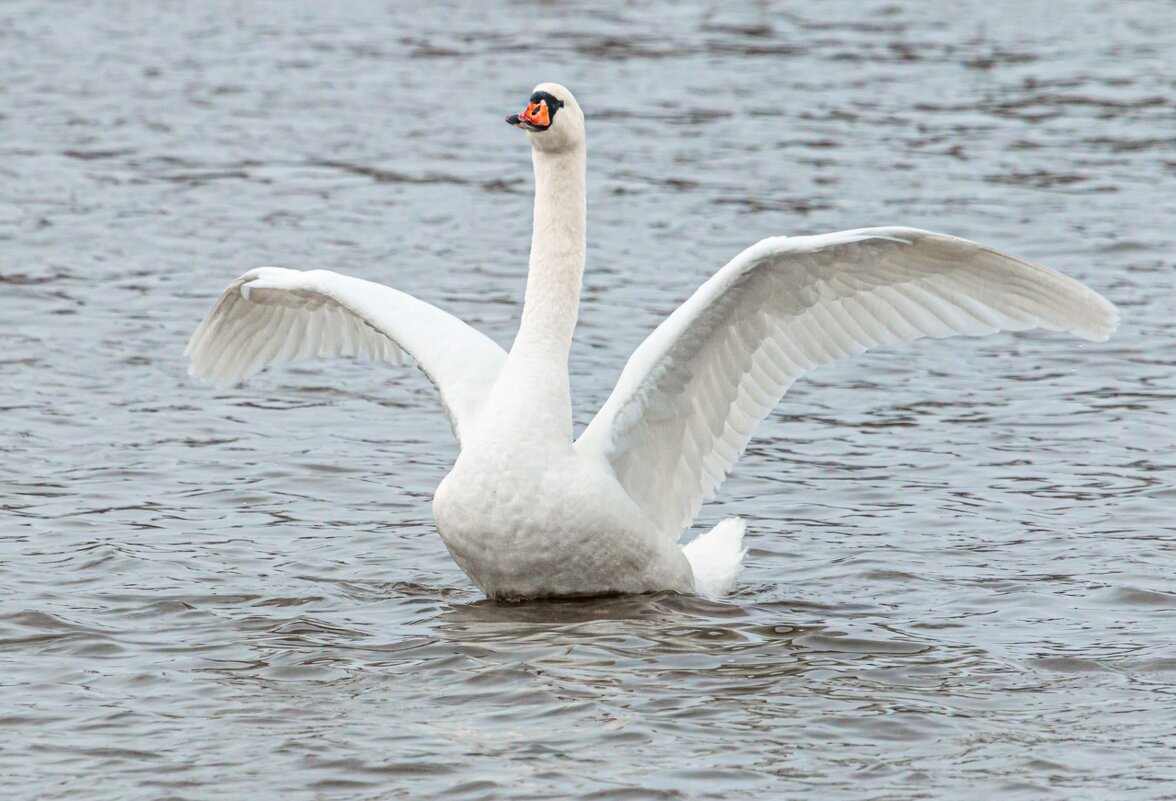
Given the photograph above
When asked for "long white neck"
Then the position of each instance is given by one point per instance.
(556, 268)
(533, 395)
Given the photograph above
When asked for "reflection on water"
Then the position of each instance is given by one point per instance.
(960, 582)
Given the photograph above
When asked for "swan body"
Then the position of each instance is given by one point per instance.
(529, 512)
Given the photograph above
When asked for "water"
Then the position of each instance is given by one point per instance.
(961, 576)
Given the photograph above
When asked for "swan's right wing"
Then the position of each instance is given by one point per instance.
(272, 315)
(690, 396)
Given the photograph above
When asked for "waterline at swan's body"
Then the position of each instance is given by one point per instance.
(529, 512)
(518, 532)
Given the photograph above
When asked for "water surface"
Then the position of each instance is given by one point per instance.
(960, 582)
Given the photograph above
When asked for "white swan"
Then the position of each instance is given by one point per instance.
(526, 511)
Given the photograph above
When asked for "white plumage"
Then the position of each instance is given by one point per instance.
(272, 315)
(691, 395)
(527, 512)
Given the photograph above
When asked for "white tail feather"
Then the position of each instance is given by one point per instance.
(717, 557)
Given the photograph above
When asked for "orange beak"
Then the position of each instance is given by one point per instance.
(537, 114)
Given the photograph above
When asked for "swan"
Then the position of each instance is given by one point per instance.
(529, 512)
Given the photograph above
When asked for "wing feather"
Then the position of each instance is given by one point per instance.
(271, 316)
(691, 395)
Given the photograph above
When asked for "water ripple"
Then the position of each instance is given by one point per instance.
(960, 579)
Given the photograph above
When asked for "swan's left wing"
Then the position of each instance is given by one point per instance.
(691, 394)
(273, 315)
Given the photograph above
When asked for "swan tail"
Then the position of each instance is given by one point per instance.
(716, 558)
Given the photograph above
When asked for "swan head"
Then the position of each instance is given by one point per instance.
(552, 119)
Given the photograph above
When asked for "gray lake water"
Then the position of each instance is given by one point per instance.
(962, 577)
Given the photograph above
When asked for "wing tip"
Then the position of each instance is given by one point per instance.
(1103, 322)
(205, 373)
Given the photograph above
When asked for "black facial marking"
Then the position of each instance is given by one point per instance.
(552, 101)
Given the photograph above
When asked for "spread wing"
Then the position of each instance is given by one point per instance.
(693, 392)
(272, 315)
